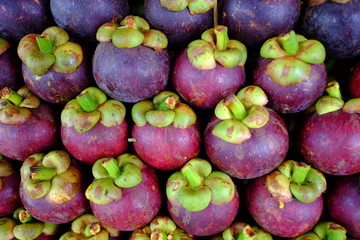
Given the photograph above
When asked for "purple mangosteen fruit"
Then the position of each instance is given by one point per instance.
(81, 19)
(52, 187)
(125, 193)
(27, 125)
(10, 66)
(354, 81)
(342, 202)
(21, 17)
(244, 138)
(253, 22)
(291, 71)
(201, 201)
(93, 126)
(161, 227)
(324, 230)
(210, 68)
(335, 23)
(182, 21)
(87, 226)
(131, 62)
(166, 132)
(53, 68)
(288, 201)
(329, 137)
(9, 186)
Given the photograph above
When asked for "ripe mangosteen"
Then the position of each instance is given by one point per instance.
(27, 125)
(166, 132)
(288, 201)
(125, 193)
(54, 68)
(324, 230)
(244, 138)
(201, 201)
(131, 63)
(291, 71)
(93, 126)
(210, 68)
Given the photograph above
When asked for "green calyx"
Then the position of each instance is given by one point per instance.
(243, 231)
(216, 47)
(296, 179)
(90, 107)
(239, 113)
(6, 228)
(131, 32)
(15, 107)
(4, 45)
(194, 6)
(196, 186)
(163, 110)
(325, 230)
(50, 50)
(292, 56)
(6, 169)
(50, 176)
(113, 174)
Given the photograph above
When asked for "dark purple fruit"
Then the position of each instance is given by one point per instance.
(354, 81)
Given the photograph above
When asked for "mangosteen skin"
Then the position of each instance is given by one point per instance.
(130, 74)
(294, 98)
(330, 142)
(9, 194)
(335, 25)
(10, 76)
(180, 27)
(21, 17)
(137, 206)
(294, 219)
(354, 81)
(209, 221)
(253, 22)
(342, 203)
(203, 89)
(38, 134)
(81, 19)
(255, 157)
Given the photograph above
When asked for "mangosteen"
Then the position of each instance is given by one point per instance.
(131, 63)
(324, 230)
(335, 23)
(201, 201)
(93, 126)
(54, 68)
(244, 138)
(27, 125)
(181, 20)
(125, 193)
(21, 17)
(10, 63)
(354, 81)
(210, 68)
(81, 19)
(291, 194)
(328, 138)
(253, 22)
(166, 133)
(291, 71)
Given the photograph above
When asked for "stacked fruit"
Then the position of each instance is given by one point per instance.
(178, 119)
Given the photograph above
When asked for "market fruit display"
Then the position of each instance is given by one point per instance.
(179, 120)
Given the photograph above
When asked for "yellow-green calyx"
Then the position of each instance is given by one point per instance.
(292, 56)
(132, 32)
(50, 50)
(4, 45)
(15, 107)
(113, 174)
(163, 110)
(87, 226)
(194, 6)
(295, 179)
(196, 186)
(239, 113)
(50, 176)
(243, 231)
(325, 230)
(216, 47)
(90, 107)
(6, 168)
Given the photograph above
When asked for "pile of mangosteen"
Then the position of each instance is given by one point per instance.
(179, 119)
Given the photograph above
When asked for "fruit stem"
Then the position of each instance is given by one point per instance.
(289, 42)
(333, 89)
(45, 45)
(11, 95)
(110, 164)
(42, 173)
(193, 177)
(158, 235)
(335, 234)
(236, 107)
(300, 172)
(222, 38)
(92, 229)
(246, 234)
(167, 103)
(22, 215)
(87, 102)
